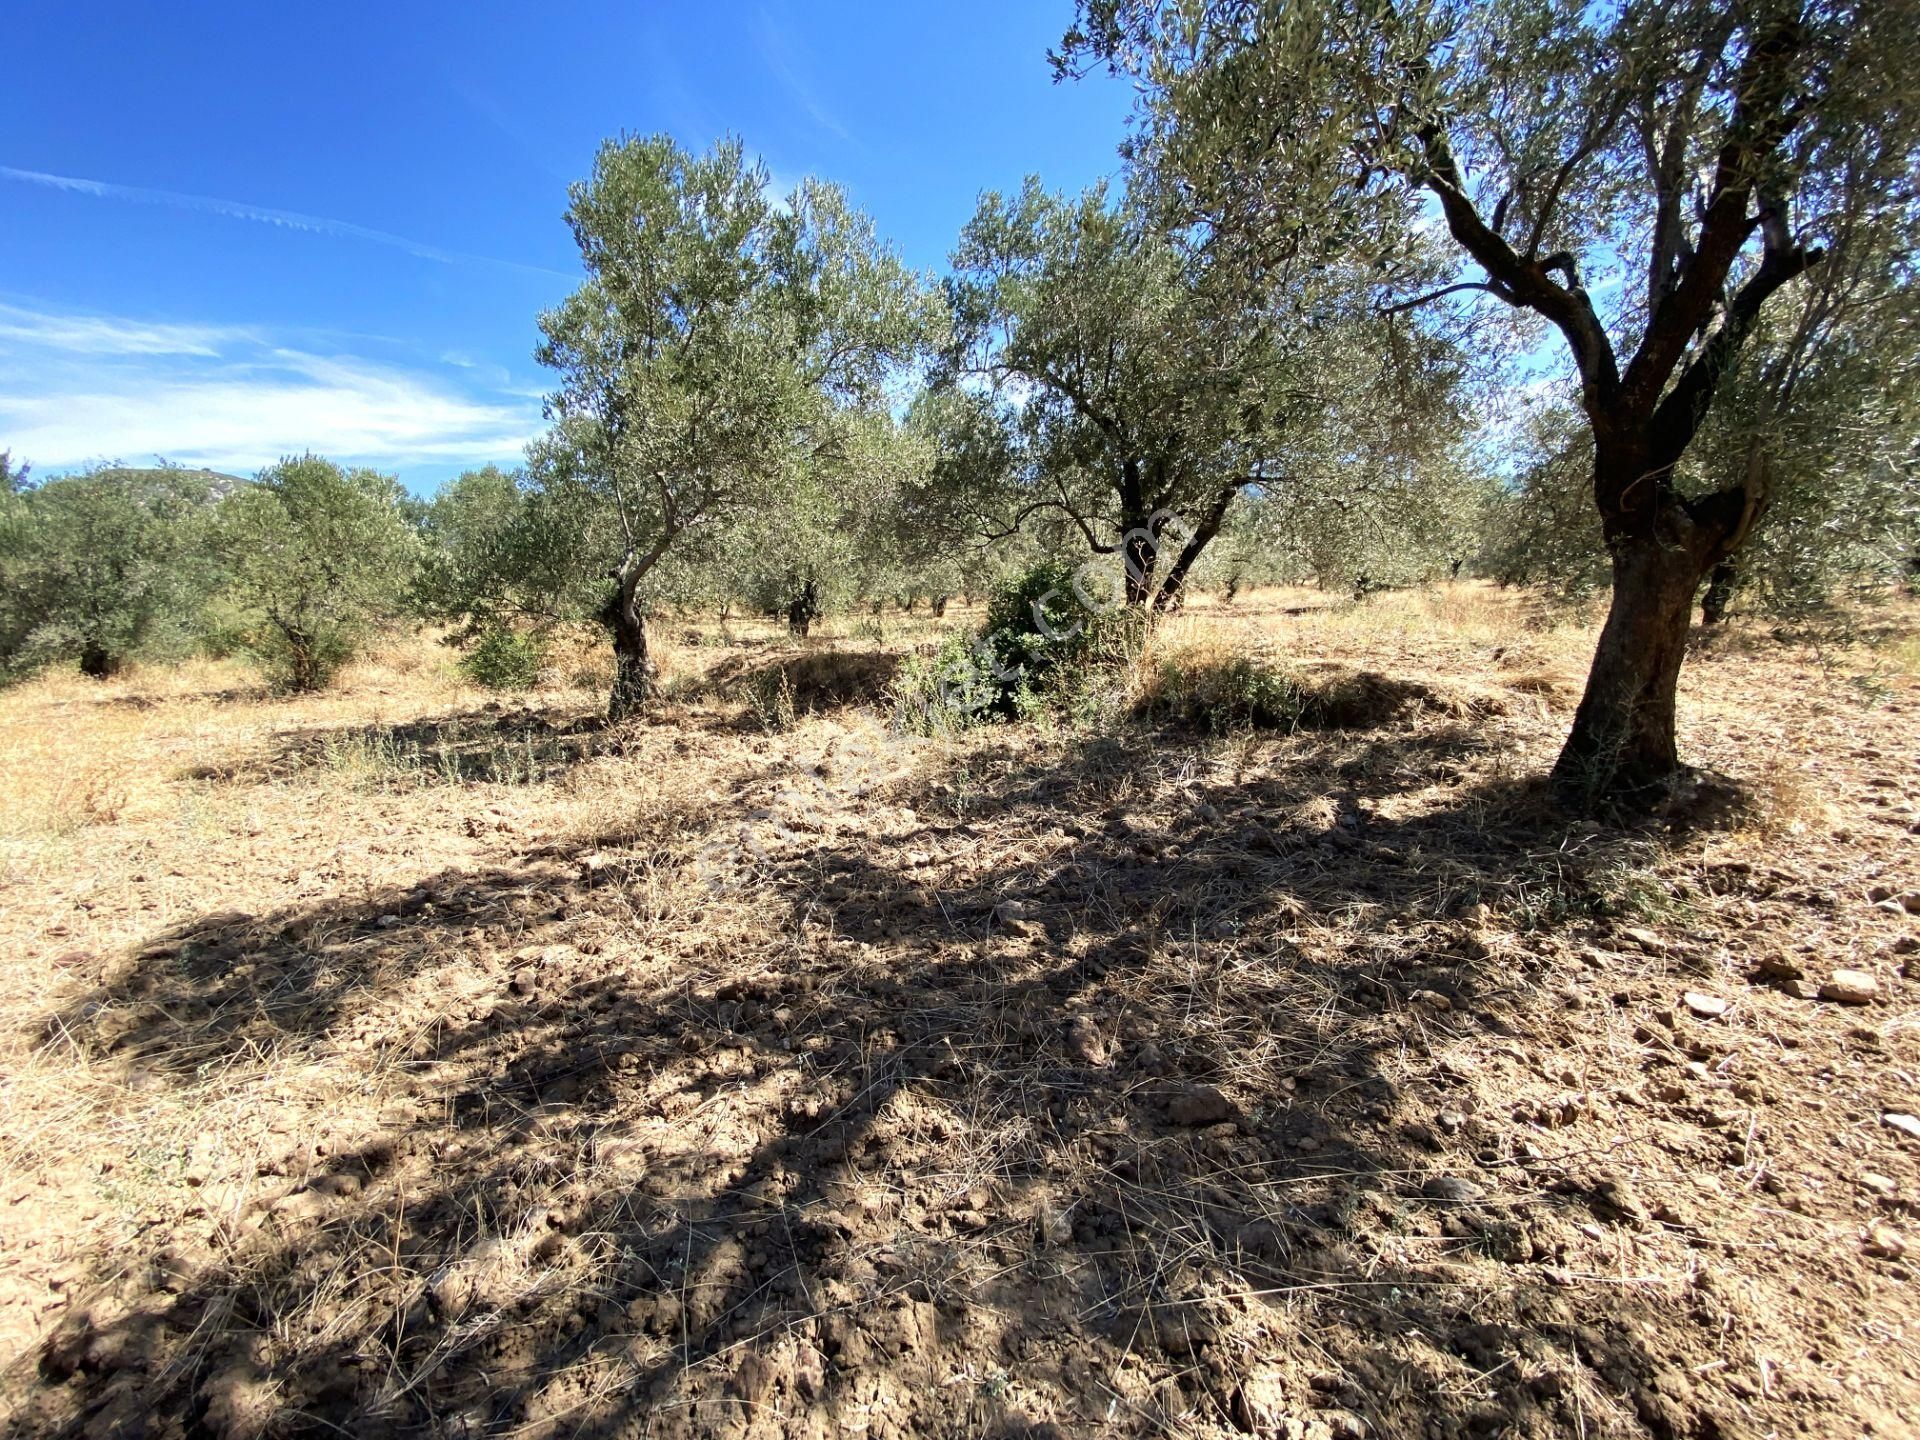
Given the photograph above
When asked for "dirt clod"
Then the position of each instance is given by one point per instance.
(1199, 1105)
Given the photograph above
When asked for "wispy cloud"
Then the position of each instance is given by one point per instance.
(99, 335)
(76, 388)
(263, 215)
(787, 58)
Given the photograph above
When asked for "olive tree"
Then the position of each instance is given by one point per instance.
(99, 566)
(316, 557)
(716, 359)
(1700, 149)
(1134, 381)
(499, 552)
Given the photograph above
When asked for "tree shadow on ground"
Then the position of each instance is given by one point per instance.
(1132, 1085)
(494, 743)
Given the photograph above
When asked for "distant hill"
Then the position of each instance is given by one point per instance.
(217, 481)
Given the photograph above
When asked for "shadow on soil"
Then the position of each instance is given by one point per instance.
(1107, 1089)
(497, 743)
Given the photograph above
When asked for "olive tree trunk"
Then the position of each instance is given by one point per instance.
(633, 668)
(1622, 749)
(1622, 743)
(1719, 594)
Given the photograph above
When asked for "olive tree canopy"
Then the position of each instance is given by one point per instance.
(1127, 380)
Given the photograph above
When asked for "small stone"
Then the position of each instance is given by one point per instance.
(1199, 1105)
(1646, 940)
(1453, 1188)
(1084, 1043)
(1707, 1007)
(1906, 1124)
(1909, 901)
(1878, 1184)
(525, 980)
(1620, 1197)
(1433, 999)
(1008, 911)
(754, 1380)
(1258, 1405)
(1851, 987)
(1888, 1244)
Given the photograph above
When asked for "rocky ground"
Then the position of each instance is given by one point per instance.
(416, 1064)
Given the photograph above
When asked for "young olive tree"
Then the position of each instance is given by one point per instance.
(716, 359)
(1135, 382)
(316, 557)
(1702, 148)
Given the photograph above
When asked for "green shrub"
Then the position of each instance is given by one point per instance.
(949, 689)
(1047, 631)
(297, 661)
(1218, 692)
(504, 659)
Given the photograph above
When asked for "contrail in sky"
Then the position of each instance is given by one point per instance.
(260, 214)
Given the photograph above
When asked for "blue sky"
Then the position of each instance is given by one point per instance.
(236, 231)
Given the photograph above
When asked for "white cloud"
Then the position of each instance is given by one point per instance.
(263, 215)
(104, 335)
(76, 388)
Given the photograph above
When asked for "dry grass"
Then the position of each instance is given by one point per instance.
(405, 1058)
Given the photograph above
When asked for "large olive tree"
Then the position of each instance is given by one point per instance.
(712, 365)
(1696, 151)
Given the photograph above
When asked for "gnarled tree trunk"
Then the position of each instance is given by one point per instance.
(1622, 749)
(803, 609)
(1173, 586)
(1622, 742)
(633, 668)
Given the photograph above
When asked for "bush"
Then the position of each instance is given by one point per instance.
(297, 661)
(1216, 691)
(504, 659)
(942, 691)
(1041, 641)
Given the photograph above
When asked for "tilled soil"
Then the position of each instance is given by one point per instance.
(1316, 1085)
